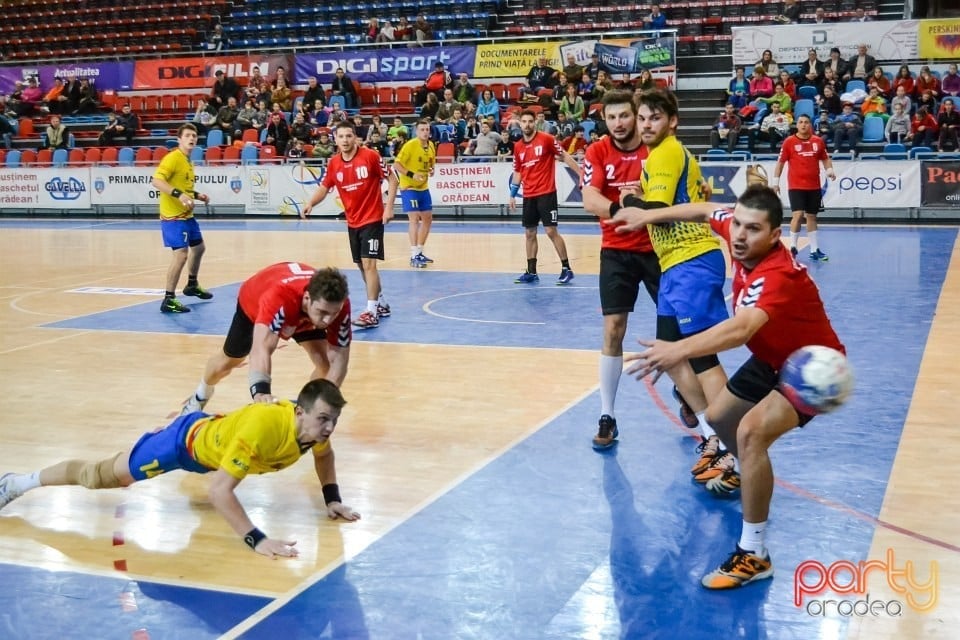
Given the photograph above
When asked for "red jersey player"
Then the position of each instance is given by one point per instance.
(357, 173)
(535, 168)
(285, 300)
(805, 152)
(777, 309)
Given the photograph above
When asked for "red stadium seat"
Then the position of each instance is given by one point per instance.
(158, 154)
(144, 157)
(28, 158)
(109, 157)
(92, 156)
(76, 157)
(213, 155)
(231, 155)
(44, 158)
(251, 135)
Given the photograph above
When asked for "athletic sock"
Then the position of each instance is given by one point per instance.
(414, 251)
(752, 538)
(531, 265)
(372, 307)
(705, 429)
(26, 481)
(169, 294)
(191, 281)
(565, 264)
(610, 369)
(204, 391)
(812, 237)
(793, 239)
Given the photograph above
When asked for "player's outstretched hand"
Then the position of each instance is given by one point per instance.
(277, 548)
(628, 220)
(659, 357)
(336, 510)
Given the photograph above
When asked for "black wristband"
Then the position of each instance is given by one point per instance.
(197, 195)
(254, 537)
(631, 200)
(258, 388)
(614, 207)
(410, 174)
(331, 493)
(176, 193)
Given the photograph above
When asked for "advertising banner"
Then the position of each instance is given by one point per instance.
(224, 184)
(940, 38)
(285, 189)
(383, 65)
(940, 184)
(514, 59)
(197, 73)
(886, 40)
(647, 53)
(105, 75)
(9, 76)
(45, 188)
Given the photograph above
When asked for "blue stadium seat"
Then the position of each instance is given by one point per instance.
(250, 154)
(873, 129)
(915, 151)
(894, 151)
(214, 138)
(60, 158)
(803, 108)
(126, 157)
(807, 92)
(13, 158)
(196, 155)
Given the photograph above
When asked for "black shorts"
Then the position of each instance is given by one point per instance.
(806, 200)
(754, 381)
(541, 209)
(239, 339)
(621, 273)
(366, 241)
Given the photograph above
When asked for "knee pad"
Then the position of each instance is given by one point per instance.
(100, 475)
(704, 363)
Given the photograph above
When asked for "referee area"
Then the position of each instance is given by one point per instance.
(465, 445)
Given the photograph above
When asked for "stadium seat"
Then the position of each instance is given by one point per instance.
(915, 151)
(231, 155)
(13, 159)
(196, 155)
(110, 157)
(803, 107)
(251, 135)
(44, 157)
(894, 151)
(446, 151)
(28, 158)
(268, 153)
(144, 157)
(60, 158)
(213, 155)
(214, 138)
(125, 157)
(158, 154)
(249, 154)
(92, 156)
(852, 85)
(807, 92)
(873, 129)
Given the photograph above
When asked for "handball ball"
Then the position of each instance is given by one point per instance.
(816, 379)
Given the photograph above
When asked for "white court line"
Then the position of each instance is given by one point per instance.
(426, 305)
(30, 345)
(308, 582)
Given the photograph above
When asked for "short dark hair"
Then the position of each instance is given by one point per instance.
(804, 115)
(425, 121)
(660, 100)
(763, 198)
(528, 112)
(329, 284)
(619, 97)
(343, 124)
(187, 126)
(321, 389)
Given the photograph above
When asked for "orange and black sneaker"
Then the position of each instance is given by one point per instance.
(726, 485)
(607, 433)
(741, 568)
(708, 450)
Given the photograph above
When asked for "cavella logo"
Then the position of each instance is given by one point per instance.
(813, 578)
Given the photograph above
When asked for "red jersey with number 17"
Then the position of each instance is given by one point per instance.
(535, 161)
(274, 295)
(804, 157)
(607, 168)
(358, 183)
(782, 288)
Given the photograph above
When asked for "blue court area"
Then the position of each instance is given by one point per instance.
(552, 540)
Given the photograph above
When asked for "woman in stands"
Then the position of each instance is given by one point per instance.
(761, 85)
(645, 81)
(903, 79)
(738, 90)
(489, 107)
(377, 125)
(770, 66)
(880, 81)
(923, 128)
(281, 94)
(926, 81)
(789, 86)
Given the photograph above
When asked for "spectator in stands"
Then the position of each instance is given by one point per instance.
(342, 85)
(847, 128)
(430, 107)
(880, 81)
(489, 106)
(655, 20)
(377, 124)
(860, 66)
(779, 97)
(823, 125)
(372, 31)
(204, 118)
(770, 66)
(395, 130)
(398, 142)
(58, 137)
(227, 119)
(838, 65)
(902, 98)
(223, 88)
(504, 146)
(586, 88)
(948, 122)
(296, 149)
(950, 82)
(422, 31)
(572, 105)
(811, 71)
(905, 79)
(14, 104)
(557, 94)
(31, 97)
(773, 129)
(278, 133)
(573, 70)
(359, 128)
(313, 93)
(125, 126)
(898, 126)
(486, 143)
(726, 129)
(761, 85)
(53, 100)
(789, 12)
(926, 81)
(738, 90)
(789, 86)
(378, 144)
(819, 17)
(245, 119)
(473, 128)
(88, 98)
(602, 85)
(324, 147)
(403, 31)
(860, 16)
(447, 107)
(465, 93)
(645, 81)
(71, 89)
(216, 41)
(258, 86)
(923, 127)
(6, 127)
(300, 129)
(575, 144)
(387, 33)
(927, 100)
(593, 69)
(540, 123)
(540, 76)
(831, 80)
(830, 100)
(281, 94)
(436, 82)
(874, 105)
(565, 126)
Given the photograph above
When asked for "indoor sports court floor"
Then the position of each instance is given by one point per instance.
(466, 447)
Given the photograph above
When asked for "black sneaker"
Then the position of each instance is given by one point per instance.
(607, 433)
(172, 305)
(197, 291)
(793, 251)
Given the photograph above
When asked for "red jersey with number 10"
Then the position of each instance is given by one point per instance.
(804, 157)
(274, 296)
(608, 168)
(535, 161)
(782, 288)
(358, 183)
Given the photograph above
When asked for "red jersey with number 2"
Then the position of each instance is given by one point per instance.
(782, 288)
(536, 162)
(804, 158)
(358, 183)
(274, 295)
(608, 168)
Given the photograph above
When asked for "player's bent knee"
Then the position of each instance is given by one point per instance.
(100, 475)
(703, 364)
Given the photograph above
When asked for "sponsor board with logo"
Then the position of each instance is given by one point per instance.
(45, 188)
(940, 38)
(940, 184)
(383, 65)
(199, 72)
(885, 39)
(132, 186)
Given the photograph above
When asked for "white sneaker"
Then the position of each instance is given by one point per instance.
(8, 490)
(193, 404)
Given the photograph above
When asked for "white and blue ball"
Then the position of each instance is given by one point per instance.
(816, 379)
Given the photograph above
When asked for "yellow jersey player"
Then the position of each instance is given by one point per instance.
(259, 438)
(414, 166)
(690, 299)
(174, 179)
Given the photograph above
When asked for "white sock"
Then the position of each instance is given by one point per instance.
(610, 369)
(736, 464)
(752, 537)
(419, 249)
(26, 481)
(705, 429)
(372, 306)
(414, 251)
(381, 299)
(793, 239)
(204, 391)
(812, 237)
